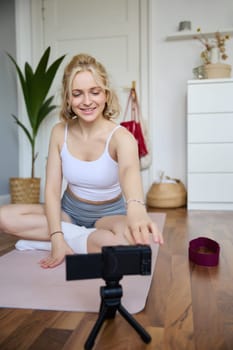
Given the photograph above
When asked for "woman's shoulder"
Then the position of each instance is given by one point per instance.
(59, 128)
(122, 137)
(58, 132)
(122, 132)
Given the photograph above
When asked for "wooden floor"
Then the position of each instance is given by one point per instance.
(189, 307)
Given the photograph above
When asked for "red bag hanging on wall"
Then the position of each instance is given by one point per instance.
(134, 125)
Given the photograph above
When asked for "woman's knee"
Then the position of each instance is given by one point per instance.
(115, 224)
(100, 238)
(5, 218)
(11, 215)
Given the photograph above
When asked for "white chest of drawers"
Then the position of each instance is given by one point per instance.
(210, 144)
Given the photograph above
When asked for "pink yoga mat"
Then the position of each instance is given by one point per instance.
(24, 284)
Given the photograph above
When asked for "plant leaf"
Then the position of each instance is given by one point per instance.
(45, 109)
(23, 128)
(21, 78)
(42, 65)
(29, 79)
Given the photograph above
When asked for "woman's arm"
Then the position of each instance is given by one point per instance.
(54, 180)
(53, 199)
(139, 223)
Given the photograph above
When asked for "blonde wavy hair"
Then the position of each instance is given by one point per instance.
(82, 63)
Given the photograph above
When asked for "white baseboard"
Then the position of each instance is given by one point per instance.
(4, 199)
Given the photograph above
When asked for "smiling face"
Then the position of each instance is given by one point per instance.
(84, 65)
(87, 99)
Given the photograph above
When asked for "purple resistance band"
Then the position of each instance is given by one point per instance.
(204, 251)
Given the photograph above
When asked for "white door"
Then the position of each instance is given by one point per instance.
(111, 30)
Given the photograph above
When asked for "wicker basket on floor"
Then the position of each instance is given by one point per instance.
(25, 190)
(167, 195)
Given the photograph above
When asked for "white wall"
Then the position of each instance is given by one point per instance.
(8, 97)
(172, 63)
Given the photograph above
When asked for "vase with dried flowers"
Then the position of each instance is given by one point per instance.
(213, 54)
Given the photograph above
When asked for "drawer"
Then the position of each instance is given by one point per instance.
(210, 97)
(210, 188)
(210, 128)
(210, 158)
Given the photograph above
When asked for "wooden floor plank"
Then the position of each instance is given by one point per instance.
(207, 319)
(10, 320)
(179, 329)
(29, 330)
(158, 294)
(79, 335)
(68, 320)
(7, 242)
(52, 339)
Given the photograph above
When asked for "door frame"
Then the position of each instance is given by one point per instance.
(30, 43)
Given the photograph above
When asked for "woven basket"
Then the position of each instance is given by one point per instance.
(167, 195)
(25, 190)
(218, 70)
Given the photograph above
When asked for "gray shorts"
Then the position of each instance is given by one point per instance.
(85, 214)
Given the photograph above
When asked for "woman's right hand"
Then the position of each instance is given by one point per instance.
(59, 250)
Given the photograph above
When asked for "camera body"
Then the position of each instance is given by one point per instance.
(111, 264)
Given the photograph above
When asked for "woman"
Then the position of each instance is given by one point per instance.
(99, 160)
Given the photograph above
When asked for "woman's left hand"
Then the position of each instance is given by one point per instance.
(140, 226)
(59, 250)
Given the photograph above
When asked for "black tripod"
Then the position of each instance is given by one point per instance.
(110, 303)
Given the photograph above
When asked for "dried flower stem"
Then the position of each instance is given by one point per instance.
(218, 41)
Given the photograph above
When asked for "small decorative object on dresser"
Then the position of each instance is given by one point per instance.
(217, 70)
(213, 54)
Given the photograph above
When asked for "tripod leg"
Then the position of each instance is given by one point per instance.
(95, 330)
(138, 328)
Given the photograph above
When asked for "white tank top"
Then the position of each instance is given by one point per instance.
(96, 180)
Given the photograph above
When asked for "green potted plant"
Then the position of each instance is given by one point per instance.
(35, 86)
